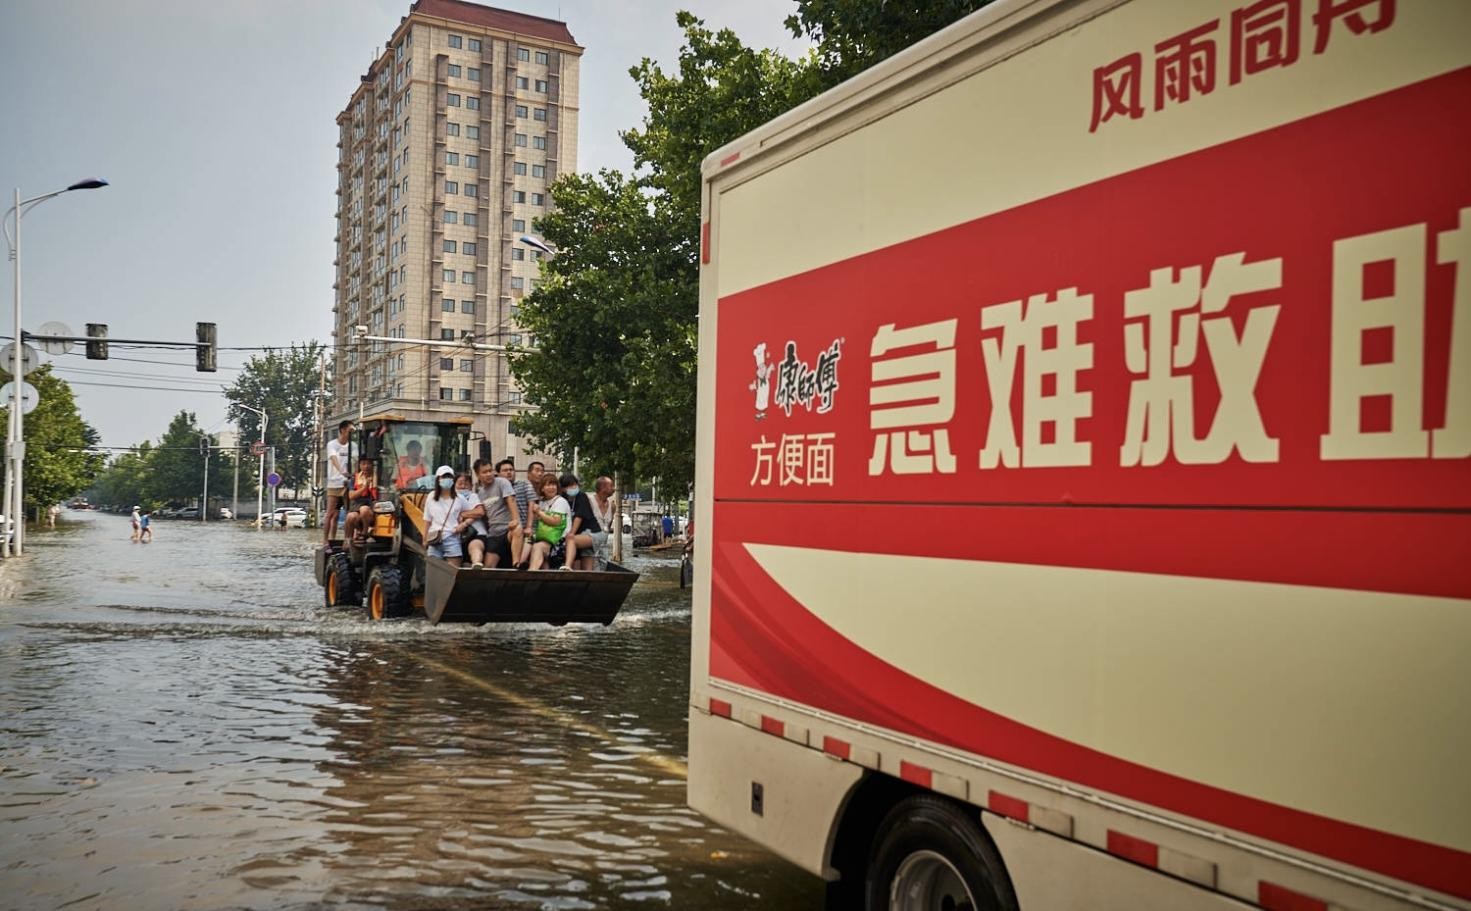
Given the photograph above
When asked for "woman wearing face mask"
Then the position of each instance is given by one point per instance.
(586, 539)
(443, 521)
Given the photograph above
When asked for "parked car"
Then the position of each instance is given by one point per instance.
(188, 512)
(290, 517)
(225, 513)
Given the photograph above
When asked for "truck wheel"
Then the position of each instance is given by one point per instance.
(386, 595)
(931, 855)
(341, 588)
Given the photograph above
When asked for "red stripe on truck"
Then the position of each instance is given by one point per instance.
(720, 707)
(1276, 898)
(730, 159)
(1009, 806)
(915, 774)
(1136, 849)
(774, 726)
(705, 243)
(835, 747)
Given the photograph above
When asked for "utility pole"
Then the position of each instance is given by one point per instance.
(204, 500)
(235, 494)
(319, 502)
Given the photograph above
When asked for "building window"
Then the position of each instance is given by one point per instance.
(540, 143)
(467, 278)
(518, 196)
(472, 161)
(522, 82)
(452, 129)
(446, 394)
(472, 102)
(515, 396)
(518, 254)
(521, 139)
(520, 168)
(471, 189)
(538, 199)
(451, 217)
(518, 224)
(449, 246)
(451, 99)
(449, 276)
(538, 170)
(446, 363)
(471, 218)
(467, 307)
(514, 338)
(468, 248)
(464, 395)
(518, 282)
(451, 157)
(541, 114)
(543, 57)
(541, 86)
(515, 311)
(521, 111)
(467, 366)
(455, 41)
(474, 44)
(447, 305)
(454, 69)
(523, 54)
(472, 132)
(451, 188)
(446, 335)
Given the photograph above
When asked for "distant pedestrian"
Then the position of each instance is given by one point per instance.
(668, 526)
(137, 524)
(51, 515)
(145, 529)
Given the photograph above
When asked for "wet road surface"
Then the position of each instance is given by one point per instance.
(184, 725)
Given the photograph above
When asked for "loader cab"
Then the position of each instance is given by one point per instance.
(407, 452)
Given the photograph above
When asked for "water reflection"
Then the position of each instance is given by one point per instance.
(186, 731)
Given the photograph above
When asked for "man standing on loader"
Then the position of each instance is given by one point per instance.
(337, 466)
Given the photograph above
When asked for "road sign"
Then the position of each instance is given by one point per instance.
(273, 479)
(29, 397)
(55, 328)
(28, 358)
(257, 448)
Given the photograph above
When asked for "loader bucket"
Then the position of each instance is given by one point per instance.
(463, 595)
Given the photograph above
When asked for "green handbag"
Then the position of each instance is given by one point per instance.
(552, 534)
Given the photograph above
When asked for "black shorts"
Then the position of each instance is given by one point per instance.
(359, 503)
(494, 544)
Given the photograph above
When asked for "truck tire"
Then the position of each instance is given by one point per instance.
(387, 595)
(340, 587)
(931, 854)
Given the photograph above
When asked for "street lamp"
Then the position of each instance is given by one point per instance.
(16, 448)
(537, 244)
(260, 476)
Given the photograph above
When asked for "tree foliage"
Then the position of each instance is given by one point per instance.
(615, 314)
(853, 35)
(169, 471)
(282, 383)
(58, 465)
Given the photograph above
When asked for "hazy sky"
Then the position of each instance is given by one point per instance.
(214, 120)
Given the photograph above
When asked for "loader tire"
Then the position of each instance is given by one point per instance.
(340, 588)
(932, 853)
(387, 594)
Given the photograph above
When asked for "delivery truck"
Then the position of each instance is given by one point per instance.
(1084, 464)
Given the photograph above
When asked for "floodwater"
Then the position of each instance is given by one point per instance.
(183, 725)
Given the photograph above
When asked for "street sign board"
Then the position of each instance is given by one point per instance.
(54, 328)
(273, 479)
(257, 448)
(29, 397)
(28, 358)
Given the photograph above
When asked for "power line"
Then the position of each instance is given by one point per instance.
(220, 391)
(138, 376)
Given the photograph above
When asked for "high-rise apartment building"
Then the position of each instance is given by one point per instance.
(445, 153)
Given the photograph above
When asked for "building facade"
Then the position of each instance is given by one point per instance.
(445, 153)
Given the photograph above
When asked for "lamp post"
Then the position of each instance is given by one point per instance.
(15, 449)
(260, 478)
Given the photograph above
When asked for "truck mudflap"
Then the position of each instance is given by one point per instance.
(464, 595)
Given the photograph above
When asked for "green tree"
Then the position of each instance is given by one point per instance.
(853, 35)
(283, 384)
(124, 481)
(59, 464)
(614, 322)
(175, 467)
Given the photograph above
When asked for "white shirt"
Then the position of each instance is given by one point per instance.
(557, 504)
(442, 515)
(337, 454)
(468, 501)
(605, 512)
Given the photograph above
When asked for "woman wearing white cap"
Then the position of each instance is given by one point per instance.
(443, 519)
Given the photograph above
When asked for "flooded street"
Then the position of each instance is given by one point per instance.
(184, 725)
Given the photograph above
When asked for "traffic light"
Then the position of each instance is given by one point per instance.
(204, 446)
(96, 341)
(204, 352)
